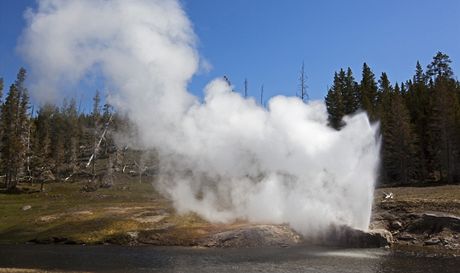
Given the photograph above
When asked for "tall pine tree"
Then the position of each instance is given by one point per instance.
(368, 92)
(334, 103)
(350, 93)
(42, 144)
(15, 126)
(445, 114)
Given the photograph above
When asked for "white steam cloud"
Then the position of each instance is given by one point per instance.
(226, 158)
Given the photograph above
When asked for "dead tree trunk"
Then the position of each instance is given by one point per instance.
(92, 159)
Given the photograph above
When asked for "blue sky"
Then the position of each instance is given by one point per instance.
(266, 41)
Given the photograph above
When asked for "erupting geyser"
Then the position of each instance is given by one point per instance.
(226, 158)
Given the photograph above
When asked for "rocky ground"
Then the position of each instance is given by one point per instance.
(420, 218)
(133, 213)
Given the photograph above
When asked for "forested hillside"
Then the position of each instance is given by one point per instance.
(419, 119)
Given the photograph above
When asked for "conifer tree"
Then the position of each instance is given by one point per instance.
(24, 133)
(14, 118)
(440, 68)
(368, 92)
(350, 93)
(384, 94)
(445, 113)
(71, 134)
(1, 89)
(57, 140)
(419, 106)
(399, 150)
(419, 77)
(42, 142)
(1, 103)
(334, 103)
(10, 143)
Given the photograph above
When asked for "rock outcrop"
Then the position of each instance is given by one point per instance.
(281, 235)
(430, 229)
(253, 236)
(433, 223)
(344, 236)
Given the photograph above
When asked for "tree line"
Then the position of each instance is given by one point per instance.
(419, 124)
(419, 119)
(51, 142)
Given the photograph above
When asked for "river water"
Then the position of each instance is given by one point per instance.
(63, 258)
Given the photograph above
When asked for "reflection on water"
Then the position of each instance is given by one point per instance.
(172, 259)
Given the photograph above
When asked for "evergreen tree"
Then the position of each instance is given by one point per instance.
(71, 134)
(1, 89)
(57, 140)
(10, 140)
(334, 103)
(419, 106)
(368, 92)
(440, 68)
(42, 142)
(107, 111)
(384, 94)
(398, 149)
(445, 115)
(1, 103)
(14, 118)
(24, 133)
(350, 93)
(419, 77)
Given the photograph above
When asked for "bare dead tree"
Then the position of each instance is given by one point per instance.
(98, 144)
(29, 171)
(141, 168)
(227, 80)
(245, 88)
(303, 84)
(262, 95)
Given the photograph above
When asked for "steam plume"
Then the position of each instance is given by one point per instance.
(226, 158)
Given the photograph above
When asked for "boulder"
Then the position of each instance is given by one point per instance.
(396, 225)
(432, 223)
(405, 237)
(345, 236)
(432, 241)
(253, 236)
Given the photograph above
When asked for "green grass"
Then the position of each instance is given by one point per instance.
(64, 211)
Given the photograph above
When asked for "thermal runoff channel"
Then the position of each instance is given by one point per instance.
(226, 157)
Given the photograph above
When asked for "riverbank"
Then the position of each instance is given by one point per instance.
(420, 218)
(133, 213)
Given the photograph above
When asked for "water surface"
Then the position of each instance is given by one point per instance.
(64, 258)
